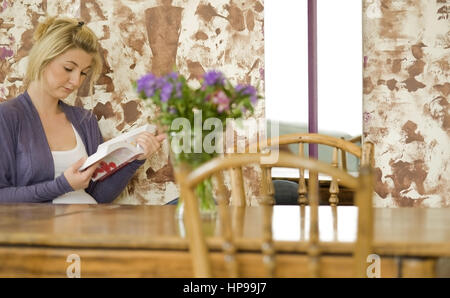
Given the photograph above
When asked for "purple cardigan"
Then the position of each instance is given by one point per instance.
(27, 172)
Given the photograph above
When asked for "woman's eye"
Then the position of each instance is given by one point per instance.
(67, 69)
(83, 74)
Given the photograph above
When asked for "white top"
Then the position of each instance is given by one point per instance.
(62, 161)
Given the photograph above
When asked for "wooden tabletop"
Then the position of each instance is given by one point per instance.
(401, 231)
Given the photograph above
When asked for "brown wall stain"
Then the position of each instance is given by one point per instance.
(403, 175)
(443, 88)
(206, 12)
(367, 85)
(200, 35)
(391, 20)
(397, 65)
(381, 188)
(409, 128)
(417, 51)
(131, 112)
(195, 69)
(163, 175)
(235, 17)
(91, 6)
(258, 6)
(413, 85)
(391, 84)
(127, 19)
(250, 20)
(103, 110)
(163, 30)
(417, 68)
(443, 64)
(443, 10)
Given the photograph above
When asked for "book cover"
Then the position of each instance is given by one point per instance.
(116, 153)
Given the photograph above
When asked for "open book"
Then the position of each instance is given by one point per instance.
(116, 153)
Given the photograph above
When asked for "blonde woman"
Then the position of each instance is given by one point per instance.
(44, 141)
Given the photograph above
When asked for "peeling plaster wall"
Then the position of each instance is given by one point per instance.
(137, 37)
(406, 100)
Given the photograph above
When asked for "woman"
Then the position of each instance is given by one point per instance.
(43, 141)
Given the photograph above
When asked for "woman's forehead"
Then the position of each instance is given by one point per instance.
(78, 57)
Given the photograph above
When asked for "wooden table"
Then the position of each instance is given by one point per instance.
(148, 241)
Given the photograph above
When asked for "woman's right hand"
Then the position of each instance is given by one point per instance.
(79, 180)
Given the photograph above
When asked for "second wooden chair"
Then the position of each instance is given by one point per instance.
(362, 185)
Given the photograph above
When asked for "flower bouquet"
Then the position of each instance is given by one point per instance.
(189, 114)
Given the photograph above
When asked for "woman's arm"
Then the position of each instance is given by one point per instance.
(109, 189)
(36, 193)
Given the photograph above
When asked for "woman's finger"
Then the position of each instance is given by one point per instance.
(149, 141)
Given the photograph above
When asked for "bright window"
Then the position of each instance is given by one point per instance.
(339, 55)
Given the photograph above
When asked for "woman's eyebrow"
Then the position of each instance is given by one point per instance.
(77, 65)
(72, 62)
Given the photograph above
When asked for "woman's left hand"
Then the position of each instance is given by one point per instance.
(149, 143)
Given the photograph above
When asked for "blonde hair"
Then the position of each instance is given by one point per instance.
(55, 36)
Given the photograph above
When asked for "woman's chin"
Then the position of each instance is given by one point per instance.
(64, 94)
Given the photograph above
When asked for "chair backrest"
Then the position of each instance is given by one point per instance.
(362, 185)
(364, 154)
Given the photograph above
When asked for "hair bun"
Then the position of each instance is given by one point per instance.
(42, 28)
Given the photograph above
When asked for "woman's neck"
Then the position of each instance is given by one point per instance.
(45, 104)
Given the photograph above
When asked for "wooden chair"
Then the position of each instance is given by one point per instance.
(363, 186)
(354, 140)
(364, 154)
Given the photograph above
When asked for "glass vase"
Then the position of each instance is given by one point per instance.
(204, 190)
(206, 203)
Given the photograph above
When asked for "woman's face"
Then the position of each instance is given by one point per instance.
(65, 73)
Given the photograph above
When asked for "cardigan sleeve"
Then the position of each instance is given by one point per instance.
(36, 193)
(9, 191)
(108, 190)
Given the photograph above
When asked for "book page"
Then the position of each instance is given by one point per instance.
(127, 145)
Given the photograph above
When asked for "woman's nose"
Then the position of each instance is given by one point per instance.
(75, 79)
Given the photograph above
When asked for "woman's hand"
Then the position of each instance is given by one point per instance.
(79, 180)
(149, 143)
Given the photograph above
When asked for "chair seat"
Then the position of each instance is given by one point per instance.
(286, 192)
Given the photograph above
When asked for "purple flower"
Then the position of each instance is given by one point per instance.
(248, 90)
(214, 78)
(5, 53)
(173, 75)
(240, 87)
(160, 82)
(166, 91)
(147, 84)
(222, 101)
